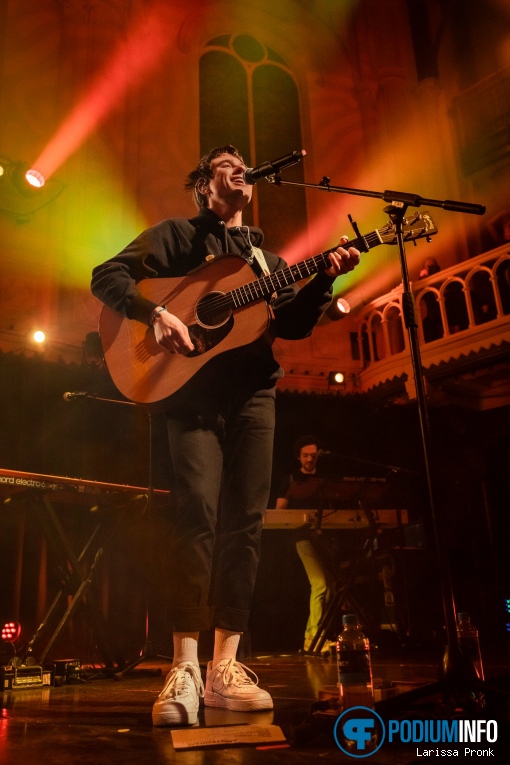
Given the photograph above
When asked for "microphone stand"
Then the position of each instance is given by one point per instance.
(457, 671)
(147, 651)
(384, 465)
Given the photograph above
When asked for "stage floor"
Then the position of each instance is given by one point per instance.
(103, 720)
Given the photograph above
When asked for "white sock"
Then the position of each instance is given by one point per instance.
(226, 644)
(185, 647)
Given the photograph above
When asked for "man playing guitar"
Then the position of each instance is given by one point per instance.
(220, 417)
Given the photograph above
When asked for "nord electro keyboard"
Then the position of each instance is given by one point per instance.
(65, 489)
(334, 519)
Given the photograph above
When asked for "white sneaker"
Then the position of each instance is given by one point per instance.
(227, 685)
(177, 704)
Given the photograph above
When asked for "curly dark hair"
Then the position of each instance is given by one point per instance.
(202, 173)
(305, 441)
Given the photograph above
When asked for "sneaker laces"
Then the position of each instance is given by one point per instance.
(235, 673)
(178, 680)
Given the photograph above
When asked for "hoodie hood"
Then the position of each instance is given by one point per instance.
(237, 239)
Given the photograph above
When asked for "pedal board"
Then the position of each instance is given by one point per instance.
(16, 678)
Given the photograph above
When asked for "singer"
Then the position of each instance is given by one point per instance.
(220, 429)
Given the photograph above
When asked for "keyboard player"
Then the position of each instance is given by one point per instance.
(302, 489)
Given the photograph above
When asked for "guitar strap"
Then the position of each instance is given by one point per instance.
(259, 257)
(256, 253)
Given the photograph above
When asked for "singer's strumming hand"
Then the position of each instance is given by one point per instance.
(171, 333)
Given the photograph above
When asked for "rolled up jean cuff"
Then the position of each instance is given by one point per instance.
(231, 619)
(196, 619)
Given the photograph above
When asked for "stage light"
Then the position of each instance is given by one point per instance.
(26, 180)
(336, 379)
(343, 305)
(39, 336)
(24, 189)
(507, 609)
(338, 309)
(11, 631)
(34, 178)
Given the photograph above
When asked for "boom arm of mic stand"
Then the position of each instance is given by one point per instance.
(397, 198)
(113, 400)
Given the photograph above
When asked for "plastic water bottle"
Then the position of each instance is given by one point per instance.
(469, 643)
(354, 666)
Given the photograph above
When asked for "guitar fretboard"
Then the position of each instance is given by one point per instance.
(264, 287)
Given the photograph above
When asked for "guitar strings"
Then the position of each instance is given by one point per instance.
(259, 288)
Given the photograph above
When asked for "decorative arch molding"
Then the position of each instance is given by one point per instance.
(269, 25)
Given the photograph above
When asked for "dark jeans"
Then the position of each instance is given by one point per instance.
(221, 482)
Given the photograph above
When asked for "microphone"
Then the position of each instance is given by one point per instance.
(254, 174)
(323, 453)
(69, 396)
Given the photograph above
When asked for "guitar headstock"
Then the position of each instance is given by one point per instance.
(417, 226)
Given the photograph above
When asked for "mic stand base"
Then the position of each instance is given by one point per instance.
(148, 653)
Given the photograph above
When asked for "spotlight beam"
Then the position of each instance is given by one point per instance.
(135, 58)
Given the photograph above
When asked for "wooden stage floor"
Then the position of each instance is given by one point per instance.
(103, 720)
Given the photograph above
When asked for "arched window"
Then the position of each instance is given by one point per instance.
(395, 329)
(503, 282)
(482, 297)
(378, 339)
(455, 306)
(430, 315)
(248, 97)
(365, 345)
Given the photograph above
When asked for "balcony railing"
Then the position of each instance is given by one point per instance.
(459, 310)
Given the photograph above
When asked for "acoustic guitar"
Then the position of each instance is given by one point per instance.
(223, 308)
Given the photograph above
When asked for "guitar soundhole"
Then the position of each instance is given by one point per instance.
(213, 310)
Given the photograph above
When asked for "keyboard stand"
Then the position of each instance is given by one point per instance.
(344, 592)
(76, 583)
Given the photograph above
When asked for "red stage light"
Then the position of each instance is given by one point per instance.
(25, 179)
(35, 178)
(11, 632)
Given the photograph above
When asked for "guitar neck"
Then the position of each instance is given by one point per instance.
(265, 286)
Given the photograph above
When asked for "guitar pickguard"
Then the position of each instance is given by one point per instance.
(204, 339)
